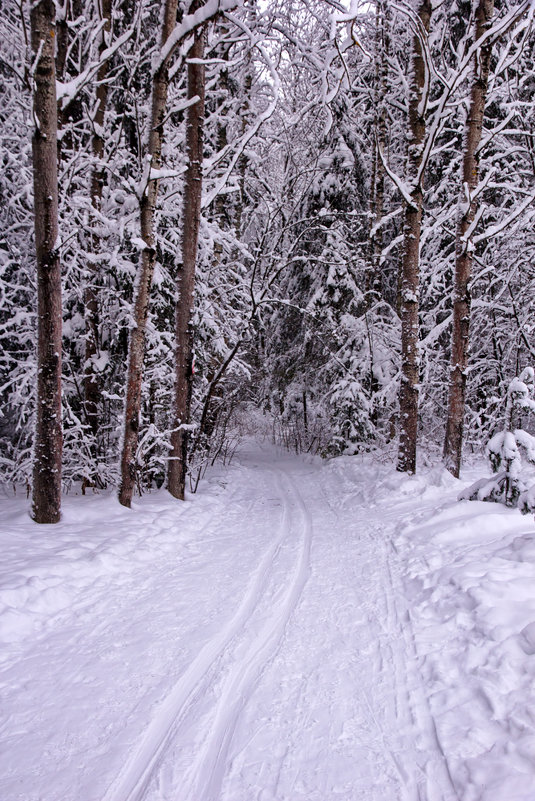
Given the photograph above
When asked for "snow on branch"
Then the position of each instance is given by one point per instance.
(205, 14)
(525, 14)
(383, 220)
(494, 230)
(253, 130)
(403, 187)
(493, 34)
(508, 485)
(66, 92)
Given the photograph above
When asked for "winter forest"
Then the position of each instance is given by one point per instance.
(267, 317)
(314, 210)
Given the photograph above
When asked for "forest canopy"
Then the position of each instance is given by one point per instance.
(310, 216)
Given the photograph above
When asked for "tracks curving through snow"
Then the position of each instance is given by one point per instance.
(311, 688)
(239, 653)
(277, 638)
(211, 762)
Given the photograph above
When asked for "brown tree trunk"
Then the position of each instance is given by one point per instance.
(410, 266)
(453, 442)
(136, 347)
(186, 279)
(46, 506)
(243, 160)
(62, 40)
(91, 381)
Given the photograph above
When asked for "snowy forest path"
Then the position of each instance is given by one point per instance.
(233, 657)
(311, 691)
(265, 652)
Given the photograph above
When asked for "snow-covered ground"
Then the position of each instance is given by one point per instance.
(297, 631)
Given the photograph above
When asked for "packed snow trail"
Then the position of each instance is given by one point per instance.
(178, 705)
(255, 644)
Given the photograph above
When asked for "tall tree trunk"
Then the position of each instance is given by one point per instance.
(136, 347)
(91, 381)
(245, 112)
(410, 266)
(62, 39)
(48, 432)
(186, 278)
(453, 442)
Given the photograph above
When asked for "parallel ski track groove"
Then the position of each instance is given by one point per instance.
(439, 785)
(208, 772)
(132, 782)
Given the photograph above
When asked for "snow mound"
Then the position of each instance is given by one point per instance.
(48, 569)
(471, 579)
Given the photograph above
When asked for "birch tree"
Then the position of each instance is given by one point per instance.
(468, 204)
(410, 272)
(46, 506)
(147, 206)
(186, 275)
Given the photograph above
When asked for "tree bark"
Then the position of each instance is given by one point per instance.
(136, 348)
(453, 442)
(46, 502)
(62, 41)
(91, 381)
(186, 278)
(410, 265)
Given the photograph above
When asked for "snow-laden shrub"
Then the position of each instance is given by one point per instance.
(504, 451)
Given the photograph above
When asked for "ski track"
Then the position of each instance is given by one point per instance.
(311, 689)
(432, 780)
(407, 731)
(200, 735)
(208, 769)
(384, 707)
(210, 765)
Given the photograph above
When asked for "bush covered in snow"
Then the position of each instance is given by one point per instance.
(508, 484)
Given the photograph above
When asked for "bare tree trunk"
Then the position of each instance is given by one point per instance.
(410, 266)
(453, 442)
(136, 348)
(91, 382)
(245, 113)
(186, 279)
(243, 160)
(48, 431)
(62, 40)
